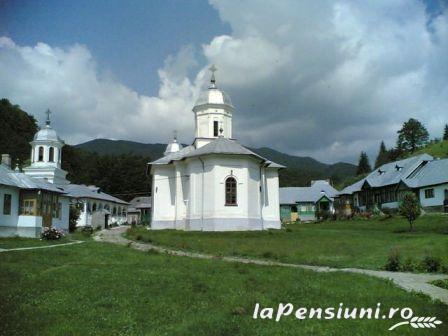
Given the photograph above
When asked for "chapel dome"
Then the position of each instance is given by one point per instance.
(173, 146)
(47, 133)
(213, 95)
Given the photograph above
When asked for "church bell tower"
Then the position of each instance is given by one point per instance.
(46, 154)
(213, 114)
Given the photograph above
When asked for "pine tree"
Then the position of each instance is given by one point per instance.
(383, 156)
(363, 165)
(445, 134)
(412, 135)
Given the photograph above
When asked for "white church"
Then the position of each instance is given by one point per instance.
(215, 184)
(41, 196)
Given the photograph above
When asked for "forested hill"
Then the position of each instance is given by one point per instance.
(300, 170)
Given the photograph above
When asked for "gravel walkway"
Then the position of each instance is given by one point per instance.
(408, 281)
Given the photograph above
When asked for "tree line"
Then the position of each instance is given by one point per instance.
(412, 136)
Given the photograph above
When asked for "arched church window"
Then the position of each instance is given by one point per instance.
(51, 155)
(94, 207)
(230, 191)
(41, 154)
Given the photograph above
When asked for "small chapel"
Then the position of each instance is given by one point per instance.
(214, 184)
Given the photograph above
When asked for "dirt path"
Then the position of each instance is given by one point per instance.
(408, 281)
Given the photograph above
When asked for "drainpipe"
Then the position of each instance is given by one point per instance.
(202, 191)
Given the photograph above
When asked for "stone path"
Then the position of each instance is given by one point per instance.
(408, 281)
(41, 247)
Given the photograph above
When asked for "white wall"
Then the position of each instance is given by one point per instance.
(12, 219)
(271, 203)
(439, 195)
(63, 223)
(190, 195)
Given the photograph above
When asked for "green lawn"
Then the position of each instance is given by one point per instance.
(102, 289)
(356, 243)
(19, 242)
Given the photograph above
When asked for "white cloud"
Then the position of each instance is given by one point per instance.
(325, 79)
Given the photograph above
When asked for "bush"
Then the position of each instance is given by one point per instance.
(409, 265)
(431, 264)
(52, 234)
(393, 261)
(87, 230)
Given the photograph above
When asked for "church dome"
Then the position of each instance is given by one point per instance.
(47, 133)
(213, 95)
(173, 146)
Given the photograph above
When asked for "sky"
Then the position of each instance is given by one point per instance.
(325, 79)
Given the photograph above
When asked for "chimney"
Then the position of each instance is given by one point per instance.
(6, 160)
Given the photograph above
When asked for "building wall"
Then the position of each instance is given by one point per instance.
(439, 196)
(271, 202)
(163, 194)
(190, 195)
(62, 223)
(8, 223)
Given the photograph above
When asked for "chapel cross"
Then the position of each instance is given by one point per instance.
(213, 69)
(48, 117)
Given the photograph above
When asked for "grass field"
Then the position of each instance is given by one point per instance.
(356, 243)
(102, 289)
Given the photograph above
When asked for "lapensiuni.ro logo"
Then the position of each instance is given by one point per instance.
(347, 313)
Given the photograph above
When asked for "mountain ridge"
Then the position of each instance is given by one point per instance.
(300, 171)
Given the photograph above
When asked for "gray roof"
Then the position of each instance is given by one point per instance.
(20, 180)
(83, 191)
(141, 202)
(415, 172)
(315, 192)
(434, 172)
(220, 145)
(352, 188)
(388, 173)
(213, 95)
(47, 134)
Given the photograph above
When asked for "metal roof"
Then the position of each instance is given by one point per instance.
(83, 191)
(220, 145)
(293, 195)
(352, 188)
(394, 172)
(141, 202)
(20, 180)
(434, 172)
(415, 172)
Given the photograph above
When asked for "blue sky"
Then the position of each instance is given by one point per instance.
(326, 79)
(131, 39)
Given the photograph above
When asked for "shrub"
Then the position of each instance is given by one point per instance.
(74, 214)
(393, 261)
(409, 265)
(410, 208)
(88, 230)
(52, 234)
(431, 264)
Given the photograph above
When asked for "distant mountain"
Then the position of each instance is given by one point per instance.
(300, 170)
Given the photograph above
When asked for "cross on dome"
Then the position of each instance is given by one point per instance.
(48, 121)
(213, 69)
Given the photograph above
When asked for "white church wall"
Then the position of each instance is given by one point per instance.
(163, 212)
(271, 203)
